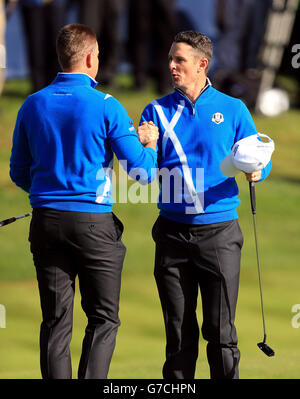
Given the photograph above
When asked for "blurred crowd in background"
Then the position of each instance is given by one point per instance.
(135, 35)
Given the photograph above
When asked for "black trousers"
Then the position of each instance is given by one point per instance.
(88, 245)
(188, 257)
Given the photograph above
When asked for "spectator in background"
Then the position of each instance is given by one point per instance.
(199, 16)
(287, 67)
(151, 26)
(42, 21)
(242, 26)
(256, 17)
(103, 17)
(2, 45)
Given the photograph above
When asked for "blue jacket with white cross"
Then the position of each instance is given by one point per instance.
(194, 139)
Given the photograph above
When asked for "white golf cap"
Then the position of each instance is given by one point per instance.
(248, 155)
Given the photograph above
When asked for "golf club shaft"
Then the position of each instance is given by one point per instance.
(13, 219)
(259, 278)
(253, 206)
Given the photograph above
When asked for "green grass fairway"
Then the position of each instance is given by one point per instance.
(140, 342)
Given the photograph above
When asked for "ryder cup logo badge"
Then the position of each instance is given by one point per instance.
(218, 118)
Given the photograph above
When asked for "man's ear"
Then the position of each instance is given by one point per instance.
(89, 60)
(203, 64)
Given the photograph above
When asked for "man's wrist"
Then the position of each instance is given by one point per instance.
(151, 144)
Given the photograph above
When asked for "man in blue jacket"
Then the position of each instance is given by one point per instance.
(63, 145)
(197, 235)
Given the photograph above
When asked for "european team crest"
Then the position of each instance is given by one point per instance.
(218, 118)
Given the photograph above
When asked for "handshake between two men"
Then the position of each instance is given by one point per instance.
(148, 135)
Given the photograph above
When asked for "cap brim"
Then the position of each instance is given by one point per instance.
(227, 167)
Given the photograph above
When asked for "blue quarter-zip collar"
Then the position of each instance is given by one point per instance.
(75, 79)
(208, 84)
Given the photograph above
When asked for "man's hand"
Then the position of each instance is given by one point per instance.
(254, 176)
(148, 134)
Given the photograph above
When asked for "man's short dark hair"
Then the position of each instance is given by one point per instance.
(196, 40)
(74, 41)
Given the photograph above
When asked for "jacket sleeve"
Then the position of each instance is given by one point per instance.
(20, 159)
(139, 162)
(265, 171)
(149, 114)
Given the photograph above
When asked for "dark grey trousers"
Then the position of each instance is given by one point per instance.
(189, 257)
(88, 245)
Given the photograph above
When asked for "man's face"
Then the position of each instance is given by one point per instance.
(184, 65)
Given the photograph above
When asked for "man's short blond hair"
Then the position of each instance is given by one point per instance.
(73, 43)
